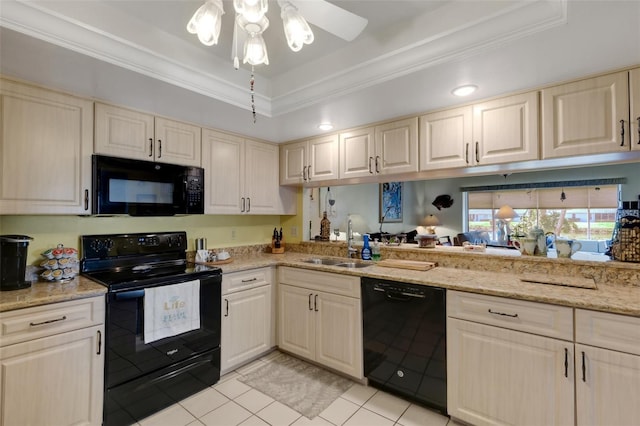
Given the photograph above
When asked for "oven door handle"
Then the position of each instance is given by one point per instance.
(134, 294)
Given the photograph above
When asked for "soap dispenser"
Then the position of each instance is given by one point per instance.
(366, 250)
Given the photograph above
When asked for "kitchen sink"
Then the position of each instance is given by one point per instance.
(352, 264)
(324, 261)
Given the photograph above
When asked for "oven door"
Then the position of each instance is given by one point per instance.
(128, 357)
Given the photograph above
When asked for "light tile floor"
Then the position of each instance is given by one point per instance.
(230, 402)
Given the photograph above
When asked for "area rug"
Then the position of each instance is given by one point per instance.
(297, 384)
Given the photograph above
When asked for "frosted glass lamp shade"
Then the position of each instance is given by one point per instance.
(255, 51)
(251, 10)
(206, 22)
(296, 28)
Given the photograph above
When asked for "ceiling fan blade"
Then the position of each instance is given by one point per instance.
(331, 18)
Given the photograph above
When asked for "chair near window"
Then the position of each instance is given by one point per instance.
(445, 241)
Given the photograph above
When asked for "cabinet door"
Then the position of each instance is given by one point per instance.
(607, 387)
(223, 161)
(499, 377)
(339, 333)
(634, 92)
(397, 147)
(584, 117)
(357, 153)
(296, 321)
(323, 158)
(293, 163)
(505, 130)
(123, 133)
(261, 178)
(177, 142)
(246, 326)
(55, 380)
(45, 151)
(445, 139)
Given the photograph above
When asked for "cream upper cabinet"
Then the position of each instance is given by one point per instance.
(607, 359)
(241, 176)
(131, 134)
(320, 318)
(586, 117)
(634, 91)
(357, 153)
(396, 147)
(309, 161)
(444, 137)
(45, 151)
(505, 130)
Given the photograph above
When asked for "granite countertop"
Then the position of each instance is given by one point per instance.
(43, 293)
(607, 297)
(620, 295)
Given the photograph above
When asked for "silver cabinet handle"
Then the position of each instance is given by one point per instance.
(99, 351)
(584, 368)
(315, 303)
(621, 132)
(248, 204)
(466, 154)
(35, 324)
(477, 152)
(86, 199)
(226, 301)
(566, 362)
(242, 202)
(249, 280)
(370, 169)
(310, 308)
(150, 147)
(377, 164)
(309, 173)
(159, 148)
(304, 173)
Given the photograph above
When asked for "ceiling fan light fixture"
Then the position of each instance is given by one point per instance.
(251, 10)
(255, 51)
(296, 28)
(465, 90)
(206, 22)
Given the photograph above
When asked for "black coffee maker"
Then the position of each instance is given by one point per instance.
(13, 261)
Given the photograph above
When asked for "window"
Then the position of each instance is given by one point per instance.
(580, 213)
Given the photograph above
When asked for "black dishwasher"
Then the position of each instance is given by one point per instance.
(405, 340)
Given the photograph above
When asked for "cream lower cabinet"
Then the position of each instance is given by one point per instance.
(320, 318)
(54, 374)
(607, 359)
(131, 134)
(500, 371)
(46, 144)
(248, 329)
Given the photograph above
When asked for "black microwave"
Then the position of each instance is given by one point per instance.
(145, 188)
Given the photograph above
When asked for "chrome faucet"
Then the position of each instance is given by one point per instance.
(351, 251)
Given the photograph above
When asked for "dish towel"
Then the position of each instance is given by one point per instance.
(171, 309)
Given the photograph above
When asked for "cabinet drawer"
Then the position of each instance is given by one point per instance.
(531, 317)
(32, 323)
(345, 285)
(237, 281)
(610, 331)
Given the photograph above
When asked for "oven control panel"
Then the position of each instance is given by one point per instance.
(110, 246)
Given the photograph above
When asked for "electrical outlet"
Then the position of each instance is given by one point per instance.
(293, 231)
(233, 233)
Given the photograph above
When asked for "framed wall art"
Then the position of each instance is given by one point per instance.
(390, 202)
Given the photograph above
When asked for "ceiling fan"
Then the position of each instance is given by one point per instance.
(251, 22)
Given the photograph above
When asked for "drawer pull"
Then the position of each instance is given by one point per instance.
(250, 280)
(503, 314)
(35, 324)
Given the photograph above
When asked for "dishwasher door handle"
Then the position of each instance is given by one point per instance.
(394, 295)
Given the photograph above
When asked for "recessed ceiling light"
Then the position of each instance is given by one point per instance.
(325, 126)
(465, 90)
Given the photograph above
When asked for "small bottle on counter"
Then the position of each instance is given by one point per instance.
(366, 250)
(375, 250)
